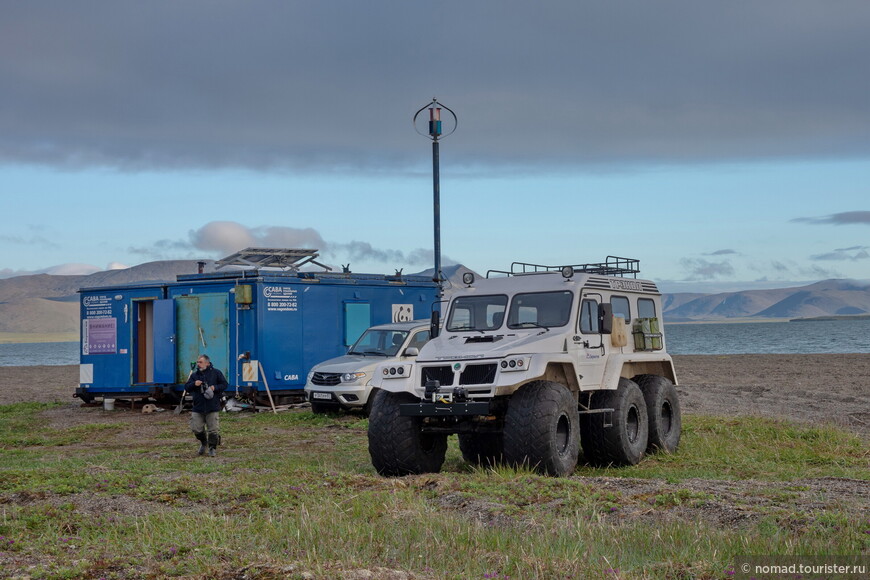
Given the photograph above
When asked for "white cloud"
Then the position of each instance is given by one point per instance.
(221, 238)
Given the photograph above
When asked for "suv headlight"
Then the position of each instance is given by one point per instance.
(352, 377)
(396, 371)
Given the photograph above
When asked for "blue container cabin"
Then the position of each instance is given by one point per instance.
(258, 326)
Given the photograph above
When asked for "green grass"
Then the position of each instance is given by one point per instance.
(294, 494)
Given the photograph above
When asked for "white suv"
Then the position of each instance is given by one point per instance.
(345, 381)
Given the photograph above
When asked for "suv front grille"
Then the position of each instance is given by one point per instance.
(478, 374)
(444, 375)
(326, 379)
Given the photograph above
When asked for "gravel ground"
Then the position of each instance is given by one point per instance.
(815, 388)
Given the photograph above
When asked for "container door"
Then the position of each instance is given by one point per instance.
(202, 328)
(164, 341)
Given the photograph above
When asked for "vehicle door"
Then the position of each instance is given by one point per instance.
(587, 344)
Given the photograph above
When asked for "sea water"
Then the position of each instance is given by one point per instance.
(39, 353)
(803, 337)
(818, 336)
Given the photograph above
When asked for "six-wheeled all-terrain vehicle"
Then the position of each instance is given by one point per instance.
(530, 365)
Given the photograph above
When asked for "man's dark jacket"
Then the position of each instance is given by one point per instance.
(209, 376)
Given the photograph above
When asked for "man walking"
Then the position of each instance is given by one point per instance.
(206, 385)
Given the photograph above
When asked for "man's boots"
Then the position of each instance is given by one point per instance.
(202, 441)
(213, 441)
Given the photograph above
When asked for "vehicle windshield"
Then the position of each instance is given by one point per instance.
(477, 313)
(379, 342)
(540, 309)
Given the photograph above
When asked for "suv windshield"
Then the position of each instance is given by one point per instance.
(540, 309)
(379, 342)
(477, 313)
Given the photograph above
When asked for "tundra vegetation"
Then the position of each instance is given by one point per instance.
(293, 495)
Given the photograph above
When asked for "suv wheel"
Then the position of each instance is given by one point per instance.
(320, 408)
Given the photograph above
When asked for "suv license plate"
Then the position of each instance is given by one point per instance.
(327, 396)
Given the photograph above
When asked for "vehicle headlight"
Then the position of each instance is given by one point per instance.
(396, 371)
(514, 364)
(352, 377)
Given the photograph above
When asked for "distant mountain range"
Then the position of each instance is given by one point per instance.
(46, 303)
(825, 298)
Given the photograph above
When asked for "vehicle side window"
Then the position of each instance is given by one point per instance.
(419, 339)
(621, 307)
(589, 316)
(646, 308)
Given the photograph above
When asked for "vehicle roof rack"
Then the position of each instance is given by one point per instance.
(612, 266)
(288, 259)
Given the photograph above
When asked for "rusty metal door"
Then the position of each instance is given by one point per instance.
(202, 328)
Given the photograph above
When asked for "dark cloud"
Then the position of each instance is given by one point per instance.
(779, 267)
(791, 270)
(700, 269)
(333, 85)
(722, 253)
(838, 219)
(852, 254)
(37, 241)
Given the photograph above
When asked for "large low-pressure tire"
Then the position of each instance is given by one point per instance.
(485, 449)
(663, 410)
(397, 445)
(625, 440)
(542, 429)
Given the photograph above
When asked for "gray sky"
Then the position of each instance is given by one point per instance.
(741, 128)
(319, 84)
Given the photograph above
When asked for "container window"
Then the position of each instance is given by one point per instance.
(357, 318)
(646, 308)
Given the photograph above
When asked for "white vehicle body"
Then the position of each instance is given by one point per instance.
(345, 381)
(583, 359)
(526, 362)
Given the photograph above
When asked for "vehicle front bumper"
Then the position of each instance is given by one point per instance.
(426, 409)
(349, 396)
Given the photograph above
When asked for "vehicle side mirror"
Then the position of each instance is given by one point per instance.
(412, 351)
(434, 324)
(605, 318)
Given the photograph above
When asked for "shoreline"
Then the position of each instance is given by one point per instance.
(37, 337)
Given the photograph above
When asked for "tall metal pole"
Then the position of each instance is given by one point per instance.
(436, 207)
(434, 133)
